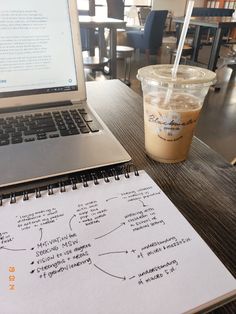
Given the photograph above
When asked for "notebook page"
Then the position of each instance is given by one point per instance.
(117, 247)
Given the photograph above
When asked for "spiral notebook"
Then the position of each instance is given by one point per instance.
(111, 245)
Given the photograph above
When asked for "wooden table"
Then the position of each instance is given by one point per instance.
(220, 24)
(203, 188)
(92, 22)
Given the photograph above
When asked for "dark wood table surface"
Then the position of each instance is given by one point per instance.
(219, 23)
(203, 188)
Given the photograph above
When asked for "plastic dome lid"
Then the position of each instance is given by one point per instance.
(162, 74)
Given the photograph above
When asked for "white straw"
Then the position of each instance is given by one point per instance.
(180, 48)
(182, 37)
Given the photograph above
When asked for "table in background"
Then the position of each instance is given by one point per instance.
(220, 24)
(93, 22)
(202, 188)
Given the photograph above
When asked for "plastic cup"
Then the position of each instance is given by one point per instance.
(171, 108)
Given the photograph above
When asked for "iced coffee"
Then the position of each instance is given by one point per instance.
(171, 109)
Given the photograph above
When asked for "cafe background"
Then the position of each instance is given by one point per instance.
(175, 8)
(178, 7)
(216, 127)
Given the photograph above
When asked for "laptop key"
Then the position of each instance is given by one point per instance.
(39, 131)
(79, 120)
(42, 136)
(71, 126)
(74, 132)
(21, 128)
(80, 124)
(4, 142)
(93, 126)
(64, 132)
(87, 117)
(82, 110)
(62, 127)
(29, 139)
(16, 134)
(53, 135)
(16, 140)
(4, 137)
(84, 129)
(43, 129)
(69, 132)
(31, 132)
(10, 119)
(9, 130)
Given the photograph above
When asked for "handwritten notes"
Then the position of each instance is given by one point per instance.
(117, 247)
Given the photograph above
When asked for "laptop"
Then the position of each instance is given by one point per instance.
(46, 127)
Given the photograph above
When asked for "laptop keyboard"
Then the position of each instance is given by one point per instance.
(42, 126)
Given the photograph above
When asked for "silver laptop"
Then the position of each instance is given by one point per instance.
(46, 127)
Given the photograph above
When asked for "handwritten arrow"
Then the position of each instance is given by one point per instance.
(116, 252)
(70, 221)
(112, 198)
(41, 234)
(4, 248)
(123, 223)
(143, 203)
(123, 278)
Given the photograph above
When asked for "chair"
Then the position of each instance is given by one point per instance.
(149, 40)
(142, 15)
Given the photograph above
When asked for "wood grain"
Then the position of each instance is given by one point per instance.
(203, 188)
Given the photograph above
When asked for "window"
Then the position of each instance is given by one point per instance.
(213, 4)
(83, 4)
(138, 2)
(230, 4)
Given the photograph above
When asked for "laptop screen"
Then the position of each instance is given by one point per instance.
(37, 55)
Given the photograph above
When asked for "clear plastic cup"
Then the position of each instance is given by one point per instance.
(171, 108)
